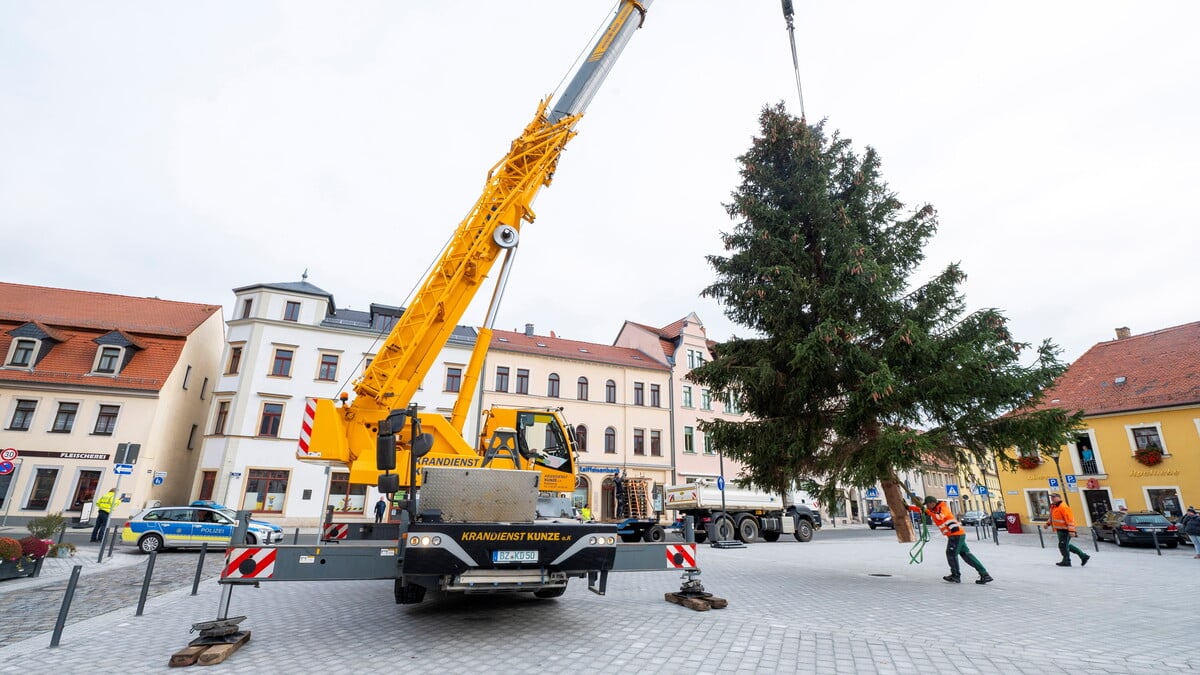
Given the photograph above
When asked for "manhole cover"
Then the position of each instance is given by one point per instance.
(876, 574)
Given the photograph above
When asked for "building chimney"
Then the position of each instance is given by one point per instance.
(1122, 333)
(529, 330)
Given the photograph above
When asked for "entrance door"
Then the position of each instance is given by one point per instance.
(85, 489)
(1098, 503)
(608, 499)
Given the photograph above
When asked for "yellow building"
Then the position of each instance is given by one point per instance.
(1139, 446)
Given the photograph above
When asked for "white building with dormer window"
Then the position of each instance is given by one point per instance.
(84, 374)
(287, 342)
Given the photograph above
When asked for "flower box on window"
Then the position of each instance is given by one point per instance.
(1028, 463)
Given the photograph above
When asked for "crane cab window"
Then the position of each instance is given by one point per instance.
(541, 432)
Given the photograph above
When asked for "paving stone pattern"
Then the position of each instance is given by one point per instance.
(808, 608)
(33, 608)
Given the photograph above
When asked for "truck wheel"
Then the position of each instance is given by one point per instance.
(723, 528)
(408, 594)
(655, 534)
(701, 536)
(747, 529)
(804, 530)
(770, 536)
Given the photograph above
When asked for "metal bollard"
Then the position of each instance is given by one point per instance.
(1154, 535)
(1040, 539)
(112, 541)
(296, 537)
(62, 531)
(199, 567)
(66, 606)
(689, 530)
(1096, 542)
(103, 538)
(146, 583)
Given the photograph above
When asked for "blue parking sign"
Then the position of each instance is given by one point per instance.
(1070, 478)
(1054, 483)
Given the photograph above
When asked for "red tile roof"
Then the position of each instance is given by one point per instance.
(1160, 369)
(158, 329)
(556, 347)
(100, 311)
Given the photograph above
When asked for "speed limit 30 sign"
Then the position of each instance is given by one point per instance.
(8, 454)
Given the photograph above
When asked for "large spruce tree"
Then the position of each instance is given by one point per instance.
(857, 370)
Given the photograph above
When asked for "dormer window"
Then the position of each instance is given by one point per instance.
(108, 360)
(116, 348)
(30, 344)
(291, 311)
(22, 353)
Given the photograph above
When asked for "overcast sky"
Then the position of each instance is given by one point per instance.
(181, 150)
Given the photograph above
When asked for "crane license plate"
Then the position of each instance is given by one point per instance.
(514, 556)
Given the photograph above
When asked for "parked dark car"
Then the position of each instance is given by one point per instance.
(974, 518)
(999, 519)
(1136, 527)
(880, 518)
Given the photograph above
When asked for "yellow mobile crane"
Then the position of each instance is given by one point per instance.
(473, 524)
(357, 433)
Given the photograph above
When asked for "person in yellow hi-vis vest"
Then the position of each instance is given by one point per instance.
(104, 506)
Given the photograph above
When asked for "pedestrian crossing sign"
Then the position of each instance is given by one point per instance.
(951, 490)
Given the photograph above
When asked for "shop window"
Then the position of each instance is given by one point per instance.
(43, 487)
(265, 490)
(85, 489)
(346, 497)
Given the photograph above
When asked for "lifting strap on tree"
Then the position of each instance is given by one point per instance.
(788, 13)
(916, 554)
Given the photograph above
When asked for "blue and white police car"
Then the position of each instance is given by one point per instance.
(179, 526)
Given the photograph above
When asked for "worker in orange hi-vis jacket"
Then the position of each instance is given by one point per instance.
(956, 541)
(1062, 521)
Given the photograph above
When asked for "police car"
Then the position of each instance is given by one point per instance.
(176, 526)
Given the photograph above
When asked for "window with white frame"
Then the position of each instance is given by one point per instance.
(21, 353)
(1147, 437)
(64, 419)
(108, 360)
(23, 415)
(106, 420)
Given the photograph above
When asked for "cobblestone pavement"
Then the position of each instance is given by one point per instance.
(844, 603)
(31, 605)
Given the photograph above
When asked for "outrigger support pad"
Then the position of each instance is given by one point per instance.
(693, 596)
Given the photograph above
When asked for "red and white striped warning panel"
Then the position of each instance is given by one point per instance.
(681, 556)
(336, 531)
(310, 410)
(249, 563)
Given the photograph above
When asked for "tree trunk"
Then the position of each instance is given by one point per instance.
(897, 503)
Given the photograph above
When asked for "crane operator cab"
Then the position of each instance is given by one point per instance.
(542, 441)
(540, 438)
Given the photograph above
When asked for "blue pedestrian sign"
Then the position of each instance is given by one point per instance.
(123, 469)
(951, 490)
(872, 493)
(1054, 483)
(721, 483)
(1070, 478)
